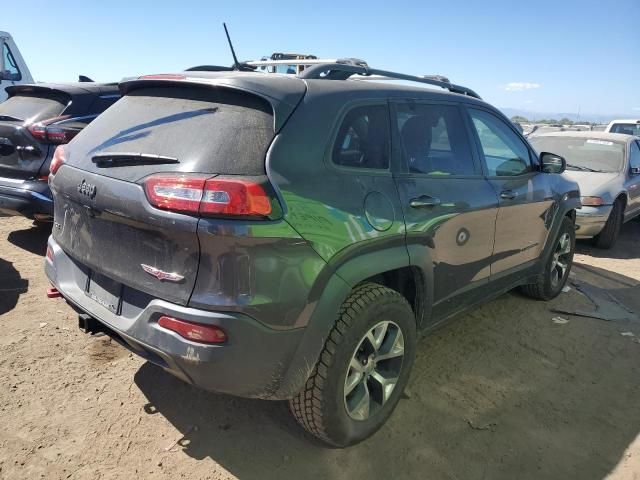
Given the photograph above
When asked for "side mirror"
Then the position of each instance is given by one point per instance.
(552, 163)
(634, 170)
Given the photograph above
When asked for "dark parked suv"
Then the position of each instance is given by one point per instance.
(33, 120)
(286, 237)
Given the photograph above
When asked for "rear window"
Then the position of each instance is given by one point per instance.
(208, 130)
(626, 128)
(31, 108)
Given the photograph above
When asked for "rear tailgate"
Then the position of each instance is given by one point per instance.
(21, 155)
(102, 215)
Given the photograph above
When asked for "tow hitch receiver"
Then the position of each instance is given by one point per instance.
(88, 324)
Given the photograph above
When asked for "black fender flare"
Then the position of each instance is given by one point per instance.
(332, 288)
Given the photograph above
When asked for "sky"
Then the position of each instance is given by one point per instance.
(538, 56)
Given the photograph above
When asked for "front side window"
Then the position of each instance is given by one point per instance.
(634, 155)
(434, 139)
(363, 139)
(11, 70)
(505, 154)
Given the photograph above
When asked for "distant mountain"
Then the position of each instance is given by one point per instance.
(584, 117)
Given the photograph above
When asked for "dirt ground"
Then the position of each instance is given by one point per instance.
(501, 393)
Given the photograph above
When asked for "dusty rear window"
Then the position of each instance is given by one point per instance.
(208, 130)
(31, 108)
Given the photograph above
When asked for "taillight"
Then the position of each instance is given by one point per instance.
(57, 160)
(196, 332)
(49, 254)
(47, 131)
(214, 196)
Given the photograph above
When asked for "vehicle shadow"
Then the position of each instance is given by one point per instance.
(12, 285)
(626, 247)
(32, 239)
(500, 393)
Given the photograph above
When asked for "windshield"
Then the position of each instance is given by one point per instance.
(584, 153)
(30, 109)
(626, 128)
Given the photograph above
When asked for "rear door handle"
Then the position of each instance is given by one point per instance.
(508, 194)
(424, 201)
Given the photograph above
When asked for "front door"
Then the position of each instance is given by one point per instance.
(449, 207)
(632, 181)
(526, 199)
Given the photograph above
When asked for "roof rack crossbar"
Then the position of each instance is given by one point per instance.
(339, 71)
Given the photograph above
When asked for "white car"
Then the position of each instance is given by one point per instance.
(13, 70)
(628, 127)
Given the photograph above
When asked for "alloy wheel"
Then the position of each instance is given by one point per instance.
(560, 260)
(374, 370)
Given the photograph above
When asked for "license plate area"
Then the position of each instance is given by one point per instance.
(105, 291)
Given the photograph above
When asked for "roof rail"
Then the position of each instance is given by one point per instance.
(341, 71)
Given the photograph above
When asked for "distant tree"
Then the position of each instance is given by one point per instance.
(519, 119)
(566, 121)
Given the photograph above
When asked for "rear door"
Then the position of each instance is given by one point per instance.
(103, 218)
(449, 207)
(525, 195)
(21, 154)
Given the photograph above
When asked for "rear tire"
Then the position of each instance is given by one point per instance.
(609, 235)
(353, 388)
(558, 266)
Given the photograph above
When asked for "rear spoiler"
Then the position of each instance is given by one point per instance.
(30, 88)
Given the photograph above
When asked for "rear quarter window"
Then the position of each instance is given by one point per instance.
(33, 108)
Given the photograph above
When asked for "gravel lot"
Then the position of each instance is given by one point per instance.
(501, 393)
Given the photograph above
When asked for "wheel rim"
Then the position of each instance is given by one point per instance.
(374, 370)
(560, 260)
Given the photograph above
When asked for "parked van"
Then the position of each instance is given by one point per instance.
(13, 70)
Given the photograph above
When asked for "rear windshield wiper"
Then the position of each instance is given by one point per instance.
(583, 169)
(9, 118)
(125, 159)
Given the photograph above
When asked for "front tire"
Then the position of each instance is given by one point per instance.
(362, 370)
(558, 266)
(609, 235)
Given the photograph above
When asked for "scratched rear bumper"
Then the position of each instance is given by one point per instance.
(251, 364)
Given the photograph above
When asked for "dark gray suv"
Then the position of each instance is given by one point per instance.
(287, 237)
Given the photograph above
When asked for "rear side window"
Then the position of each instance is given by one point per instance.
(505, 153)
(207, 130)
(363, 139)
(31, 108)
(434, 140)
(11, 70)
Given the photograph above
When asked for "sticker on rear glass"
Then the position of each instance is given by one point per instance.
(600, 142)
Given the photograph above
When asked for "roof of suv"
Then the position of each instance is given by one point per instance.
(620, 137)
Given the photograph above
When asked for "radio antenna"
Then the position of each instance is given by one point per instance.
(236, 63)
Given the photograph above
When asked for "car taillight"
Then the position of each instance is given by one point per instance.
(49, 254)
(197, 332)
(47, 131)
(213, 196)
(57, 160)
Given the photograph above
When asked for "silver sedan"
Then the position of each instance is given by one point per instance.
(606, 166)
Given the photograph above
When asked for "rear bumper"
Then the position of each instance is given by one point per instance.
(591, 220)
(253, 363)
(25, 197)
